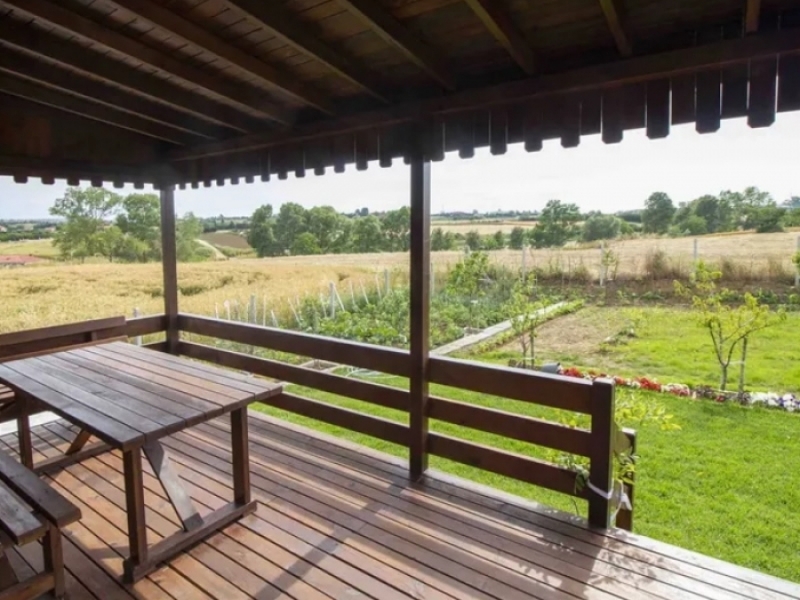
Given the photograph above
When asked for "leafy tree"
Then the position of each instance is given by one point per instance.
(325, 224)
(693, 225)
(468, 279)
(441, 240)
(85, 212)
(601, 227)
(188, 229)
(292, 221)
(344, 237)
(744, 202)
(716, 211)
(526, 315)
(140, 221)
(791, 203)
(367, 234)
(765, 219)
(473, 240)
(306, 243)
(730, 327)
(516, 240)
(658, 212)
(261, 236)
(499, 240)
(396, 227)
(556, 224)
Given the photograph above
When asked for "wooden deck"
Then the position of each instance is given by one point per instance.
(340, 522)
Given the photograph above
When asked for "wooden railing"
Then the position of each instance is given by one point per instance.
(595, 399)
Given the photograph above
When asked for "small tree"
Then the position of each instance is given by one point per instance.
(526, 315)
(730, 327)
(517, 238)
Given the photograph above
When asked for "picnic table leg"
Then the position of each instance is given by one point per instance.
(240, 445)
(134, 498)
(24, 431)
(54, 560)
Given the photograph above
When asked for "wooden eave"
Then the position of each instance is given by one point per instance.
(202, 91)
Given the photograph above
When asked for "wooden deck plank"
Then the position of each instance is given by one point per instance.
(643, 552)
(336, 522)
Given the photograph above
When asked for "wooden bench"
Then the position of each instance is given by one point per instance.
(29, 511)
(36, 342)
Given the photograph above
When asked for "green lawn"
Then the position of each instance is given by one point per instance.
(726, 484)
(669, 345)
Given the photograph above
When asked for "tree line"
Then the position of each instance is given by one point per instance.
(99, 222)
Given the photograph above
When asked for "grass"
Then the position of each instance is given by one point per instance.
(40, 248)
(724, 485)
(670, 346)
(227, 239)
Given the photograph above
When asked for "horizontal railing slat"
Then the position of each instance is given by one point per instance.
(510, 425)
(145, 325)
(567, 393)
(34, 341)
(512, 465)
(54, 331)
(328, 382)
(365, 356)
(341, 417)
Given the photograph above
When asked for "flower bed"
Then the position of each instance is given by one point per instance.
(787, 402)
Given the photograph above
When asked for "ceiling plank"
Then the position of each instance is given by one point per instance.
(46, 45)
(234, 94)
(306, 38)
(611, 9)
(278, 81)
(752, 15)
(96, 112)
(637, 69)
(500, 24)
(394, 33)
(50, 75)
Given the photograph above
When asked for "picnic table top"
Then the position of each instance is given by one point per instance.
(128, 395)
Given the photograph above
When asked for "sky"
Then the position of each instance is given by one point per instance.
(594, 175)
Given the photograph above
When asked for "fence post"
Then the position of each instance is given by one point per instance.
(332, 288)
(353, 295)
(602, 264)
(138, 339)
(252, 310)
(695, 257)
(274, 319)
(264, 321)
(386, 283)
(797, 266)
(524, 267)
(601, 468)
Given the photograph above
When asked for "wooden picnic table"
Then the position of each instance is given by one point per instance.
(129, 398)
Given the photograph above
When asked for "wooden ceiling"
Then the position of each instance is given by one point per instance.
(202, 91)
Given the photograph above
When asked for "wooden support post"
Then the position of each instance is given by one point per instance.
(240, 444)
(601, 469)
(134, 500)
(169, 260)
(53, 551)
(24, 430)
(420, 313)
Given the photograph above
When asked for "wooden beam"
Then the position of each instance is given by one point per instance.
(752, 15)
(303, 36)
(420, 309)
(394, 33)
(169, 262)
(47, 74)
(501, 25)
(611, 9)
(278, 81)
(90, 110)
(638, 69)
(238, 95)
(70, 169)
(39, 43)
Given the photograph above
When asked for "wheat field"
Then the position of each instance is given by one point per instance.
(56, 293)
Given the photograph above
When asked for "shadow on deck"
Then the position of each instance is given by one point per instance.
(336, 521)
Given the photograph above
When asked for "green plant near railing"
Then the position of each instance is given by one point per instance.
(632, 409)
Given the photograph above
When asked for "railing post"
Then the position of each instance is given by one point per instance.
(601, 468)
(625, 516)
(419, 314)
(169, 261)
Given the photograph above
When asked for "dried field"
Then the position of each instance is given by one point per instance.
(58, 293)
(41, 248)
(228, 239)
